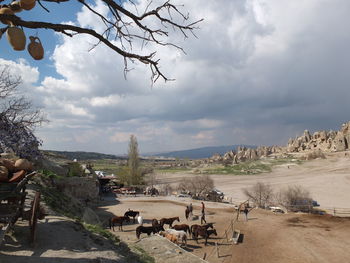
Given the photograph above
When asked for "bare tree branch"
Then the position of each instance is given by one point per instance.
(124, 26)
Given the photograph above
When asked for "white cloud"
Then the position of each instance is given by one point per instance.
(260, 71)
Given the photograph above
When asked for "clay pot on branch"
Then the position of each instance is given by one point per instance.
(27, 4)
(6, 11)
(35, 48)
(16, 37)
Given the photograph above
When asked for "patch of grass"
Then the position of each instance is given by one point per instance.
(172, 169)
(255, 167)
(59, 202)
(132, 254)
(250, 167)
(144, 257)
(50, 175)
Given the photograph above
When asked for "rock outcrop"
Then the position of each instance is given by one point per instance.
(330, 141)
(314, 145)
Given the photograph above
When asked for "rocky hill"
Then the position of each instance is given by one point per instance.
(326, 141)
(320, 141)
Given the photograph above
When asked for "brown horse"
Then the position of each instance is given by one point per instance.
(169, 221)
(132, 213)
(206, 226)
(118, 220)
(183, 227)
(156, 225)
(203, 232)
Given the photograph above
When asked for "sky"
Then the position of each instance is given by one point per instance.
(259, 72)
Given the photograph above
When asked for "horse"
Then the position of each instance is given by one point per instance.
(118, 220)
(156, 225)
(183, 227)
(180, 234)
(131, 213)
(169, 221)
(140, 220)
(203, 232)
(146, 229)
(206, 226)
(171, 237)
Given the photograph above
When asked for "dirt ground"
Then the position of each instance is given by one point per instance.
(266, 237)
(327, 180)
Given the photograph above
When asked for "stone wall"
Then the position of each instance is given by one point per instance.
(80, 187)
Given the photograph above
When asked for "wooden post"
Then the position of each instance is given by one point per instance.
(217, 249)
(205, 255)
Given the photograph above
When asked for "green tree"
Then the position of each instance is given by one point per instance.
(134, 162)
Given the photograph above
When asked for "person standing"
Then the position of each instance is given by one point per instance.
(190, 208)
(246, 211)
(203, 214)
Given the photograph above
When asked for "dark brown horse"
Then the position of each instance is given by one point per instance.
(203, 232)
(169, 221)
(183, 227)
(147, 229)
(132, 213)
(206, 226)
(156, 225)
(118, 220)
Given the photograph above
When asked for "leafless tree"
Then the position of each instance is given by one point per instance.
(295, 197)
(16, 108)
(197, 185)
(124, 26)
(18, 118)
(261, 194)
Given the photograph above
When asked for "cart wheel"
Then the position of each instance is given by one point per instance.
(35, 210)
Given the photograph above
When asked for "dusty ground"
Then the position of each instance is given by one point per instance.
(59, 240)
(267, 237)
(327, 180)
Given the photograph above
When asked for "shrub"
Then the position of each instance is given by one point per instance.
(261, 194)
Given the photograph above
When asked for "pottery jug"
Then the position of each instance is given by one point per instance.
(35, 48)
(16, 37)
(27, 4)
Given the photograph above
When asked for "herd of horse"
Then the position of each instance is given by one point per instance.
(174, 233)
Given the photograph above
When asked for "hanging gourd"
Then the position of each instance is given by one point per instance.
(16, 7)
(35, 49)
(6, 11)
(16, 37)
(27, 4)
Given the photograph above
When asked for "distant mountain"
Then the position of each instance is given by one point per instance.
(199, 153)
(83, 155)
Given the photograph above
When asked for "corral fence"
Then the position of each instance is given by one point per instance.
(335, 211)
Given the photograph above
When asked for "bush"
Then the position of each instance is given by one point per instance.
(261, 194)
(197, 185)
(295, 198)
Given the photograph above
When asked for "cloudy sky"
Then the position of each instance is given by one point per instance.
(259, 72)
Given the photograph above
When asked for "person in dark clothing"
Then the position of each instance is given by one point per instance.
(203, 214)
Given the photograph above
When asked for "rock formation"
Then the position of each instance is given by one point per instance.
(322, 140)
(317, 143)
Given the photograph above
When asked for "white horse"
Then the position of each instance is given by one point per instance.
(140, 220)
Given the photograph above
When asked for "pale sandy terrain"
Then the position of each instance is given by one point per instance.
(328, 180)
